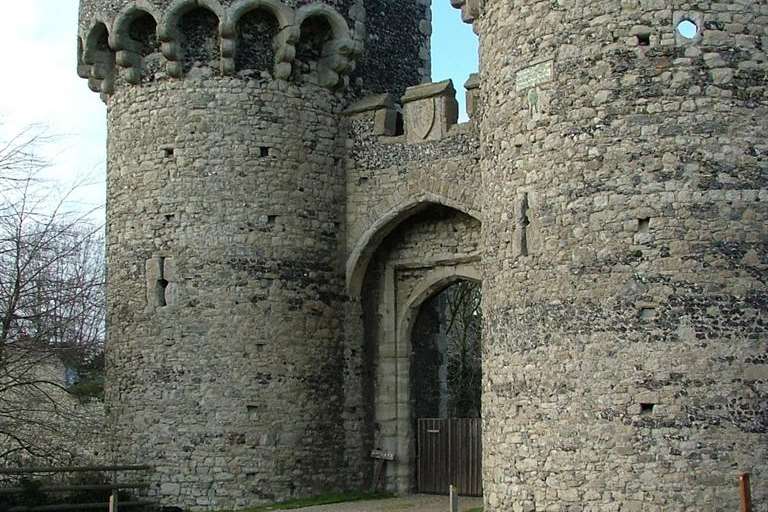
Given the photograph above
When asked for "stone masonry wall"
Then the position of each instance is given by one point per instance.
(397, 54)
(61, 428)
(625, 255)
(622, 195)
(225, 290)
(386, 173)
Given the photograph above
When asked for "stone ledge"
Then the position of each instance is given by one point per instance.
(371, 103)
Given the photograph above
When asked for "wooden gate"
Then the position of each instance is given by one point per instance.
(450, 452)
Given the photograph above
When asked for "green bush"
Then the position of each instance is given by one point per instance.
(85, 390)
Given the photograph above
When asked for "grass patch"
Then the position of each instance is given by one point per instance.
(325, 499)
(478, 509)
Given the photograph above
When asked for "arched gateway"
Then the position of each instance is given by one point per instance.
(418, 257)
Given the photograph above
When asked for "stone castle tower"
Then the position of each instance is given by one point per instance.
(286, 188)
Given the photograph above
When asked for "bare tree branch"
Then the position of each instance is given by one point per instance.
(51, 304)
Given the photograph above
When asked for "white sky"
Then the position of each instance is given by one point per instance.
(39, 86)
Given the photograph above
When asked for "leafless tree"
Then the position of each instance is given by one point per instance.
(51, 305)
(464, 350)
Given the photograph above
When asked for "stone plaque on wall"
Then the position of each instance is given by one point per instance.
(534, 75)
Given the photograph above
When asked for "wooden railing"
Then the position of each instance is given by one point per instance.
(115, 486)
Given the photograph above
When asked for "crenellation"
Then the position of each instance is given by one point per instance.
(429, 111)
(208, 38)
(473, 99)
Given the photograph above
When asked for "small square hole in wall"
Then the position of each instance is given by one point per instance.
(253, 411)
(644, 225)
(168, 152)
(647, 408)
(644, 39)
(264, 151)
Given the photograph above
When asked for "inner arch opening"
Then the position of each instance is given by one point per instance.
(316, 33)
(446, 389)
(446, 366)
(256, 32)
(199, 29)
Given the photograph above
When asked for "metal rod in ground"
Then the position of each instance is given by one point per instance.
(454, 493)
(746, 493)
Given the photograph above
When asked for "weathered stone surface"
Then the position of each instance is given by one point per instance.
(620, 348)
(610, 192)
(430, 110)
(239, 221)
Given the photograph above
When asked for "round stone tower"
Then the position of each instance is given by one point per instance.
(625, 167)
(225, 228)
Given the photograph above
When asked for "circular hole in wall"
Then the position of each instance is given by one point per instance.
(688, 29)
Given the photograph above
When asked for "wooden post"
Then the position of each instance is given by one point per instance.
(379, 470)
(454, 494)
(746, 494)
(113, 498)
(380, 458)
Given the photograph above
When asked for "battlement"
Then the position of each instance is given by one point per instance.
(427, 112)
(143, 41)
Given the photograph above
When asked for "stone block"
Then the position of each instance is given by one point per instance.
(473, 94)
(429, 111)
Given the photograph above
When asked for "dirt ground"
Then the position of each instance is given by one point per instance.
(419, 503)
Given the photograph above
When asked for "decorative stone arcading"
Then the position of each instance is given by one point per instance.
(107, 45)
(96, 62)
(128, 53)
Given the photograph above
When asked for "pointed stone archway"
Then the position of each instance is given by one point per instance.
(419, 254)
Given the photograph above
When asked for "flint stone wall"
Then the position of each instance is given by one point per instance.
(622, 196)
(387, 173)
(625, 255)
(396, 36)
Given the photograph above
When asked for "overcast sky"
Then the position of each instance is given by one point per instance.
(39, 84)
